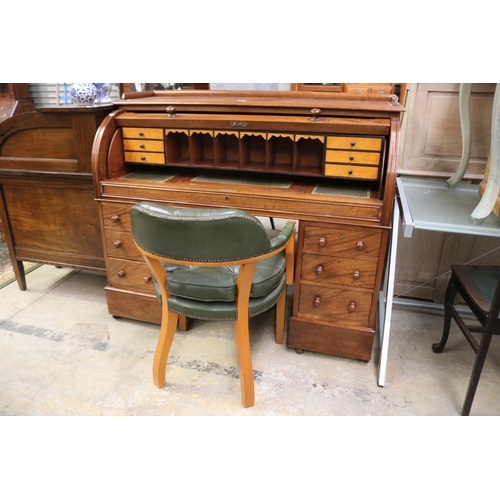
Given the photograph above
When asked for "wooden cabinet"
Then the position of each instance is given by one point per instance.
(46, 188)
(274, 154)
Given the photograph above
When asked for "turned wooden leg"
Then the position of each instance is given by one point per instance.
(245, 361)
(280, 318)
(167, 332)
(451, 293)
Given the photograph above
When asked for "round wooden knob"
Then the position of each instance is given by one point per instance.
(317, 301)
(351, 158)
(319, 270)
(352, 306)
(349, 172)
(170, 111)
(147, 279)
(121, 274)
(315, 112)
(360, 245)
(322, 241)
(141, 134)
(141, 146)
(117, 244)
(356, 275)
(143, 158)
(353, 143)
(115, 219)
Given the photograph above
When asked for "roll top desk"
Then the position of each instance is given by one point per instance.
(323, 159)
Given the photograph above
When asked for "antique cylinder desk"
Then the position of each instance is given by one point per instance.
(323, 159)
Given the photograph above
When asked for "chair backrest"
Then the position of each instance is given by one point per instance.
(198, 235)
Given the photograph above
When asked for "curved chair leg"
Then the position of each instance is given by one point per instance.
(167, 332)
(244, 361)
(451, 293)
(280, 317)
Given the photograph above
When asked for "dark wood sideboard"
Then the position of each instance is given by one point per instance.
(47, 201)
(327, 160)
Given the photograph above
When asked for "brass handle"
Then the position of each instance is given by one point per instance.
(171, 111)
(147, 279)
(121, 274)
(319, 270)
(117, 244)
(317, 301)
(356, 275)
(315, 112)
(352, 306)
(360, 245)
(322, 241)
(115, 219)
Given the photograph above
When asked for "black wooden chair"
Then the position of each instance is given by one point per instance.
(479, 287)
(214, 265)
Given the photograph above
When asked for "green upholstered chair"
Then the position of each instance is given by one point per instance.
(479, 287)
(214, 264)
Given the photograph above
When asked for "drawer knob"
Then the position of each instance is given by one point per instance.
(353, 143)
(115, 219)
(360, 245)
(170, 111)
(117, 244)
(141, 146)
(147, 279)
(352, 306)
(141, 133)
(121, 273)
(319, 270)
(356, 275)
(315, 112)
(351, 158)
(317, 301)
(143, 158)
(350, 172)
(322, 241)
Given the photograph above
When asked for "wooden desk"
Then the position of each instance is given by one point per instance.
(328, 161)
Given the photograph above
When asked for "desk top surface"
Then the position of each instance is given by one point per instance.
(434, 206)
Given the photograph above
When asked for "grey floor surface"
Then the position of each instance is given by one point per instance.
(61, 353)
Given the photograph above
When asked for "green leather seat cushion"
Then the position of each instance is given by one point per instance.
(214, 284)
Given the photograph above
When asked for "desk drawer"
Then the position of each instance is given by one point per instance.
(333, 304)
(340, 271)
(354, 143)
(144, 157)
(129, 274)
(351, 171)
(332, 241)
(148, 146)
(353, 157)
(120, 244)
(116, 216)
(142, 133)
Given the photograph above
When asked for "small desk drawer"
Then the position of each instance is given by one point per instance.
(351, 171)
(129, 274)
(339, 270)
(142, 133)
(354, 143)
(332, 241)
(158, 158)
(116, 216)
(354, 157)
(121, 245)
(135, 145)
(333, 304)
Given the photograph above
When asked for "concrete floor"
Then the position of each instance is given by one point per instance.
(63, 354)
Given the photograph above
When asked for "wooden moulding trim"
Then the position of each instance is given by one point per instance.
(209, 132)
(38, 164)
(227, 132)
(319, 137)
(278, 134)
(258, 134)
(177, 130)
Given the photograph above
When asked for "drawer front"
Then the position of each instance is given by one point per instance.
(332, 304)
(120, 244)
(134, 145)
(340, 271)
(116, 216)
(131, 275)
(351, 171)
(375, 89)
(354, 157)
(354, 143)
(322, 241)
(142, 133)
(157, 158)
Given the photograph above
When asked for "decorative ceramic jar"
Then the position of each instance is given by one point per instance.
(103, 90)
(83, 93)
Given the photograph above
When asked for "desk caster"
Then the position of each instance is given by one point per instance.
(299, 351)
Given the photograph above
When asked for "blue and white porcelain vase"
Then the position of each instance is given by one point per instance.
(83, 93)
(103, 91)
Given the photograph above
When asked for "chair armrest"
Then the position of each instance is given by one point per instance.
(280, 239)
